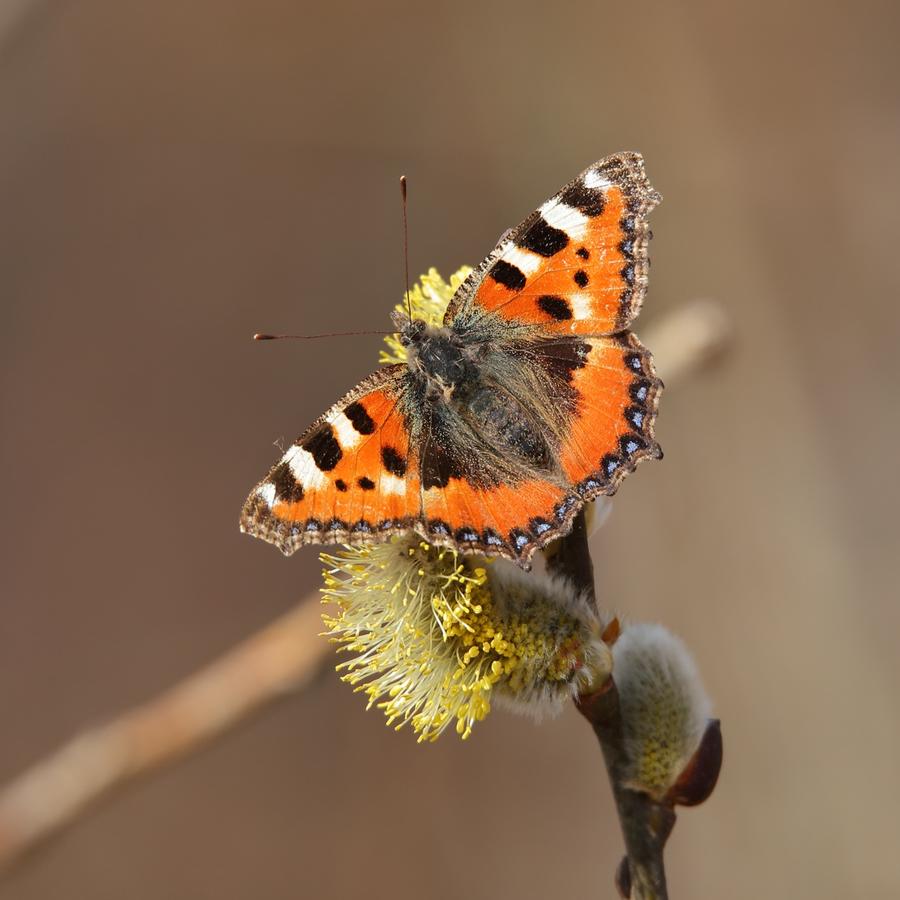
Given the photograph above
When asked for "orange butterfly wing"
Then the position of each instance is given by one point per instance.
(607, 391)
(576, 266)
(352, 477)
(611, 430)
(500, 520)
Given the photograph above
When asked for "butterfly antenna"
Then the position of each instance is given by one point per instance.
(405, 245)
(309, 337)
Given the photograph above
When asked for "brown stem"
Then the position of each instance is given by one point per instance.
(645, 824)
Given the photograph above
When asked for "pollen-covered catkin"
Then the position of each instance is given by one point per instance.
(435, 636)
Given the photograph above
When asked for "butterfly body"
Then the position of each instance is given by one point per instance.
(471, 388)
(530, 398)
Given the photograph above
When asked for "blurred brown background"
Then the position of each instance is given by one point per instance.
(176, 176)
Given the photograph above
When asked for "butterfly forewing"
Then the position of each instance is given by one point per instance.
(578, 264)
(352, 477)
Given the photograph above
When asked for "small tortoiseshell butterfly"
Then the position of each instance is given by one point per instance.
(530, 400)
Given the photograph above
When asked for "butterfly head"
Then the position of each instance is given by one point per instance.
(410, 330)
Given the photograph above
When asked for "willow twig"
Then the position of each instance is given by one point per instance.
(688, 338)
(645, 824)
(282, 657)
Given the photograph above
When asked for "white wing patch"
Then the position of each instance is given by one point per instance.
(391, 484)
(594, 179)
(524, 260)
(348, 437)
(566, 218)
(266, 492)
(581, 306)
(304, 468)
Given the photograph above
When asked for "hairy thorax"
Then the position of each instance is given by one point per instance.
(469, 380)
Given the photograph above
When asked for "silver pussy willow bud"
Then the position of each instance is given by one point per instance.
(665, 709)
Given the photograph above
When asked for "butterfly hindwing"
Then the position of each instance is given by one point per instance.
(578, 264)
(510, 520)
(606, 391)
(610, 429)
(352, 477)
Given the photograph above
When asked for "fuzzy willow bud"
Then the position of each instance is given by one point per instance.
(665, 709)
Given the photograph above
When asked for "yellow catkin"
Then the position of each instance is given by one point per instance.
(430, 642)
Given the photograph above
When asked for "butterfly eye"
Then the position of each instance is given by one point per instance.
(412, 332)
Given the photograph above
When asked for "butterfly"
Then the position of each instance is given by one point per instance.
(530, 399)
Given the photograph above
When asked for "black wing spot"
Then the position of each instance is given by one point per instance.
(508, 275)
(555, 307)
(341, 485)
(324, 448)
(393, 461)
(581, 278)
(628, 274)
(359, 418)
(587, 200)
(542, 238)
(366, 483)
(287, 488)
(583, 252)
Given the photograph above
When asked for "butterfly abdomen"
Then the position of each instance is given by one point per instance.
(504, 424)
(468, 381)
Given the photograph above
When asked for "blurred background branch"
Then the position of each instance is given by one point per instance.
(281, 658)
